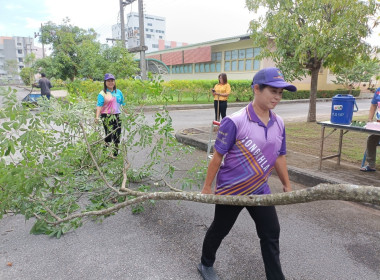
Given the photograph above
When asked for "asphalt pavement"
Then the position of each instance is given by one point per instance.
(319, 240)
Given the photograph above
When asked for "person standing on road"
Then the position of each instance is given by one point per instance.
(108, 107)
(45, 86)
(373, 139)
(220, 93)
(252, 142)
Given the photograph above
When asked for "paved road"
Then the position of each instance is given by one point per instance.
(288, 111)
(320, 240)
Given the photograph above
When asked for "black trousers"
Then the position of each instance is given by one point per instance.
(222, 109)
(112, 128)
(267, 228)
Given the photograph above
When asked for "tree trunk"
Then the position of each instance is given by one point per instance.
(313, 95)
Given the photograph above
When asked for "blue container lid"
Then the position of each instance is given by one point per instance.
(344, 97)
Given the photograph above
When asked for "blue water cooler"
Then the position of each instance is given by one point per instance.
(342, 109)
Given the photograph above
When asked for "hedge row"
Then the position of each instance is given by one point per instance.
(178, 90)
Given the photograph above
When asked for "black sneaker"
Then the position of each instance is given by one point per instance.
(207, 272)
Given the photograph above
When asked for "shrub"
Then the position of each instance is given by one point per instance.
(157, 91)
(26, 75)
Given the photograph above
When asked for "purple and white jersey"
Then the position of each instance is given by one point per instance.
(250, 150)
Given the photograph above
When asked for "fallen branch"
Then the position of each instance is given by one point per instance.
(368, 194)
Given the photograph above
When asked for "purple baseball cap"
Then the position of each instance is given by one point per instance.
(273, 77)
(109, 76)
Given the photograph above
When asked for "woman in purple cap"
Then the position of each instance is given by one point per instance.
(108, 107)
(252, 142)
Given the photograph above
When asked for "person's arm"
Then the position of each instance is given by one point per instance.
(372, 111)
(282, 172)
(97, 115)
(99, 106)
(213, 168)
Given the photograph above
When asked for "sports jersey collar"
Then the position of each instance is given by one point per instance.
(254, 118)
(114, 91)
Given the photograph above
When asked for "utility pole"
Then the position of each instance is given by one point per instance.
(42, 41)
(43, 47)
(122, 25)
(142, 40)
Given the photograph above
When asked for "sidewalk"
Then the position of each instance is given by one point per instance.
(302, 168)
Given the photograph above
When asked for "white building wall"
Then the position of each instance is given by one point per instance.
(155, 29)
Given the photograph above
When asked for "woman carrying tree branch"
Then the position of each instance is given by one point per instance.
(108, 107)
(252, 142)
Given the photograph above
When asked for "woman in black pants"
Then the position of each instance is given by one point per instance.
(251, 143)
(221, 92)
(108, 107)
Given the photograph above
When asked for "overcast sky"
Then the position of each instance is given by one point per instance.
(190, 21)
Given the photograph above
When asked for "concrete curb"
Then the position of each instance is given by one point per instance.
(308, 178)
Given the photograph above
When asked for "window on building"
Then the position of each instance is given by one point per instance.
(19, 51)
(148, 36)
(155, 46)
(151, 30)
(146, 29)
(241, 60)
(218, 67)
(227, 66)
(241, 65)
(216, 56)
(18, 44)
(256, 65)
(160, 37)
(20, 59)
(234, 65)
(21, 67)
(149, 24)
(213, 66)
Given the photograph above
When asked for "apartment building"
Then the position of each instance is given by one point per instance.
(16, 48)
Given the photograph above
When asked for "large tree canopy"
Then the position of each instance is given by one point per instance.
(77, 54)
(305, 35)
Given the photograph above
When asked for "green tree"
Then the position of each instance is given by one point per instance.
(77, 54)
(48, 66)
(66, 40)
(361, 71)
(302, 36)
(26, 75)
(119, 61)
(91, 61)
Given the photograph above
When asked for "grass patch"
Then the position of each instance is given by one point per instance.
(304, 137)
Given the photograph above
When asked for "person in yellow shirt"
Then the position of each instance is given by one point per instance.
(221, 92)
